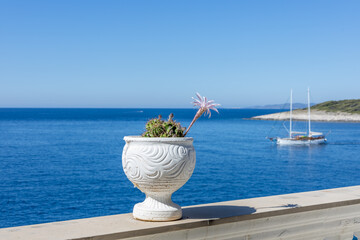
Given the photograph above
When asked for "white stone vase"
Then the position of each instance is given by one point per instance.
(158, 167)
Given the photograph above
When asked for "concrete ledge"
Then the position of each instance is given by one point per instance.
(327, 214)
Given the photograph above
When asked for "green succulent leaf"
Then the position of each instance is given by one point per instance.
(157, 127)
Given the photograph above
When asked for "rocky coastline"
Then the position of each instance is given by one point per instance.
(316, 115)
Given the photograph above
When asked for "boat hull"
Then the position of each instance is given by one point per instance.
(289, 141)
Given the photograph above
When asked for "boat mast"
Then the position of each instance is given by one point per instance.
(290, 132)
(309, 111)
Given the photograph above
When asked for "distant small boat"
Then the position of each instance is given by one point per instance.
(301, 138)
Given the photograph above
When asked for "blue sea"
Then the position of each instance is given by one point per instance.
(62, 164)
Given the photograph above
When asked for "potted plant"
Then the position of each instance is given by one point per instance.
(160, 161)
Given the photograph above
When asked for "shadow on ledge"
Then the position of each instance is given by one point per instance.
(217, 211)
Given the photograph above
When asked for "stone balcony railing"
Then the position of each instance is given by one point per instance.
(327, 215)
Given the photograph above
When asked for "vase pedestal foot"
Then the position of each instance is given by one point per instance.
(157, 209)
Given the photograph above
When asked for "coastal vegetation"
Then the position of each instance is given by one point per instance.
(349, 106)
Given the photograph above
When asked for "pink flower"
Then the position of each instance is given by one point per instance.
(204, 107)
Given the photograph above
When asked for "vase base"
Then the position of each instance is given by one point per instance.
(170, 213)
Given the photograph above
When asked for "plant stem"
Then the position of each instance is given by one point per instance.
(197, 115)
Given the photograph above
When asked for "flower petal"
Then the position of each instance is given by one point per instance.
(205, 104)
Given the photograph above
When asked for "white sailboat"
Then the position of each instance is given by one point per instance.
(301, 138)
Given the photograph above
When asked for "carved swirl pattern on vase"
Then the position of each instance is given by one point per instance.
(158, 161)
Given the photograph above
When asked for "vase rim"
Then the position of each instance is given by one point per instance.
(157, 139)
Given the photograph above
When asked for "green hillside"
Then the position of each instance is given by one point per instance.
(350, 106)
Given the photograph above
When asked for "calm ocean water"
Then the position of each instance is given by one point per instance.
(61, 164)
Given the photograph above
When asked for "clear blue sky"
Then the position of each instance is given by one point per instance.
(159, 53)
